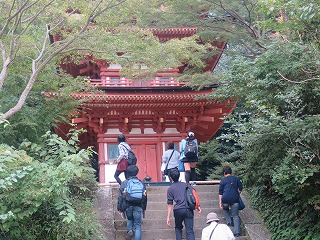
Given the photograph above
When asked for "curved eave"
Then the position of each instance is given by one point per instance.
(152, 88)
(144, 100)
(139, 96)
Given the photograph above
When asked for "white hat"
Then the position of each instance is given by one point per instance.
(212, 217)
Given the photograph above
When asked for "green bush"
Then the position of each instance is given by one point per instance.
(46, 191)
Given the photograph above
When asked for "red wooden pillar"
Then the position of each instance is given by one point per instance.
(103, 75)
(101, 161)
(56, 37)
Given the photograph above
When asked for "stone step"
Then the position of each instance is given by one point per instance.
(161, 201)
(165, 234)
(150, 223)
(160, 195)
(163, 189)
(202, 195)
(162, 214)
(154, 224)
(162, 205)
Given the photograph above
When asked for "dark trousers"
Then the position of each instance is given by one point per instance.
(169, 176)
(190, 175)
(186, 216)
(193, 174)
(187, 175)
(117, 173)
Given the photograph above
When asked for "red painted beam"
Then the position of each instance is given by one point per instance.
(79, 120)
(203, 126)
(213, 111)
(206, 119)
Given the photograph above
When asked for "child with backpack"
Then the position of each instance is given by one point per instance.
(122, 159)
(189, 156)
(132, 202)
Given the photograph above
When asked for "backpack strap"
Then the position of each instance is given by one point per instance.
(125, 147)
(233, 185)
(169, 159)
(213, 231)
(128, 150)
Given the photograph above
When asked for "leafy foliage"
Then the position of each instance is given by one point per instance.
(47, 190)
(294, 221)
(278, 128)
(103, 29)
(280, 140)
(218, 152)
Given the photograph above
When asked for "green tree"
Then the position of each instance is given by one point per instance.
(280, 88)
(273, 71)
(29, 54)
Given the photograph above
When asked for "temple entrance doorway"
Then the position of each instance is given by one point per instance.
(147, 161)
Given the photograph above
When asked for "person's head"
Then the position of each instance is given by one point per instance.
(170, 145)
(212, 217)
(121, 138)
(174, 174)
(227, 170)
(132, 171)
(190, 134)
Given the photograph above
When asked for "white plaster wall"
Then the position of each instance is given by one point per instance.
(170, 130)
(135, 131)
(109, 172)
(111, 168)
(181, 179)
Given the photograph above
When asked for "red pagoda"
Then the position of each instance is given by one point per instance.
(149, 113)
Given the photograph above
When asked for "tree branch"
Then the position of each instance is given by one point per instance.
(10, 17)
(303, 81)
(37, 68)
(5, 63)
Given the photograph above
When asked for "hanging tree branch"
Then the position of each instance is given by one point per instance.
(39, 63)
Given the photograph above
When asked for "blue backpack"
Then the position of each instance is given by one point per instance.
(134, 190)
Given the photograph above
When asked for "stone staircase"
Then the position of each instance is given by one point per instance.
(154, 225)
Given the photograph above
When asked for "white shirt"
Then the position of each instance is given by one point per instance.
(174, 161)
(221, 232)
(123, 148)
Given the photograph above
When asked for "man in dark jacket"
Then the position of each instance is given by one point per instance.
(229, 190)
(133, 211)
(176, 193)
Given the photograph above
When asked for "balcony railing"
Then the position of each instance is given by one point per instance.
(125, 82)
(111, 78)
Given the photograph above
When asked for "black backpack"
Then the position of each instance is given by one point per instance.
(132, 159)
(191, 198)
(191, 149)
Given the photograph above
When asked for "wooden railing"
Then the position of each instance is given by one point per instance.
(165, 82)
(110, 82)
(110, 77)
(125, 82)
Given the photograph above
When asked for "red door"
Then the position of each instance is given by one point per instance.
(147, 161)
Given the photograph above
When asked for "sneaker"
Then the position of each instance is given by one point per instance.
(193, 184)
(236, 235)
(129, 235)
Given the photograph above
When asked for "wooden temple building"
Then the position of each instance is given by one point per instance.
(149, 113)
